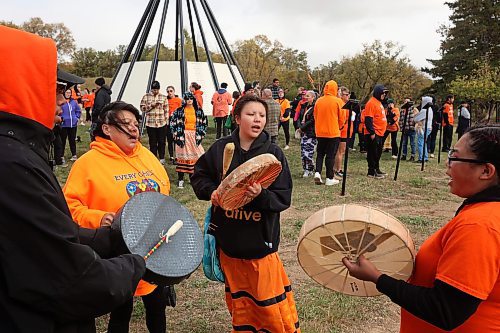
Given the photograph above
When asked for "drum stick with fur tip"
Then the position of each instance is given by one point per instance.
(165, 238)
(227, 158)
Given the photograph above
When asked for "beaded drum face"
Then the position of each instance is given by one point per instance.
(263, 169)
(144, 220)
(336, 232)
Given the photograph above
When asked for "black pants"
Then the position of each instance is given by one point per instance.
(431, 143)
(362, 143)
(394, 141)
(447, 137)
(286, 129)
(170, 142)
(70, 134)
(58, 148)
(157, 137)
(219, 125)
(87, 113)
(155, 305)
(326, 147)
(374, 149)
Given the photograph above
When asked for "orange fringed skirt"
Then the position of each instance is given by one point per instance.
(259, 295)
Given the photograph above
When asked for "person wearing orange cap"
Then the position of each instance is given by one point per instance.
(51, 280)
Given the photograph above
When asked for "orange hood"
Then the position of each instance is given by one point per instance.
(331, 88)
(28, 67)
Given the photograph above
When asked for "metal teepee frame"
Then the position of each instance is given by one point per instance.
(143, 29)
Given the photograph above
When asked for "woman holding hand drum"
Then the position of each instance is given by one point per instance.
(456, 281)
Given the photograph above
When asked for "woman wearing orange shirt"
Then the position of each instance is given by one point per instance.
(195, 89)
(284, 117)
(455, 285)
(189, 126)
(116, 168)
(174, 102)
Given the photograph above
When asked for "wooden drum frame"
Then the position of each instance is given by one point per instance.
(263, 169)
(350, 230)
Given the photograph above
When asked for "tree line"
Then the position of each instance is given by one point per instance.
(468, 67)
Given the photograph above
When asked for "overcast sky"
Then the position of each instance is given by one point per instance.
(326, 29)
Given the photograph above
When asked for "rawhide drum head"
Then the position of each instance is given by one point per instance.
(341, 231)
(144, 219)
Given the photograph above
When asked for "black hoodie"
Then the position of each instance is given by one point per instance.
(253, 231)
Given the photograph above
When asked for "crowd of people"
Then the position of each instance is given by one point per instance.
(62, 265)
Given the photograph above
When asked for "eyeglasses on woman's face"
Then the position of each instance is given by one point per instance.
(452, 158)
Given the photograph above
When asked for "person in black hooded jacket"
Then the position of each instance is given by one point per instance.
(50, 281)
(102, 98)
(248, 237)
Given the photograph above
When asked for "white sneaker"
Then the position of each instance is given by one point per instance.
(330, 182)
(432, 155)
(180, 184)
(317, 178)
(73, 158)
(306, 174)
(162, 161)
(286, 147)
(394, 156)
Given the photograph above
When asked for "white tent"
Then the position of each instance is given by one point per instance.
(168, 74)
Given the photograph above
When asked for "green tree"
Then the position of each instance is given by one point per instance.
(57, 31)
(376, 63)
(482, 86)
(263, 60)
(473, 33)
(86, 62)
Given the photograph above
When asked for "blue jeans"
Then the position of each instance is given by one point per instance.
(420, 143)
(411, 135)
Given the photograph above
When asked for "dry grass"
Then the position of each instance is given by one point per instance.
(419, 199)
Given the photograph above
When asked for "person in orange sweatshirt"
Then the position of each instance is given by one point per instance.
(455, 285)
(174, 102)
(327, 128)
(375, 126)
(116, 167)
(54, 277)
(195, 89)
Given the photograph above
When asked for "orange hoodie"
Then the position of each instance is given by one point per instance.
(199, 98)
(326, 112)
(104, 178)
(38, 72)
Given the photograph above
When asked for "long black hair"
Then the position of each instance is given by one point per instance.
(109, 116)
(484, 142)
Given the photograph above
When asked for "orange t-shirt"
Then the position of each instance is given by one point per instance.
(89, 100)
(376, 110)
(173, 104)
(465, 254)
(284, 104)
(394, 127)
(189, 118)
(344, 123)
(448, 111)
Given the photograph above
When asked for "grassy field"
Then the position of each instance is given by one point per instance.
(419, 199)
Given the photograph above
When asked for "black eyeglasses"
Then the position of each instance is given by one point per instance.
(466, 160)
(170, 91)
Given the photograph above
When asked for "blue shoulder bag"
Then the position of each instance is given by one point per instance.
(211, 265)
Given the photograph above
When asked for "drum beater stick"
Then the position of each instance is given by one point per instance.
(165, 238)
